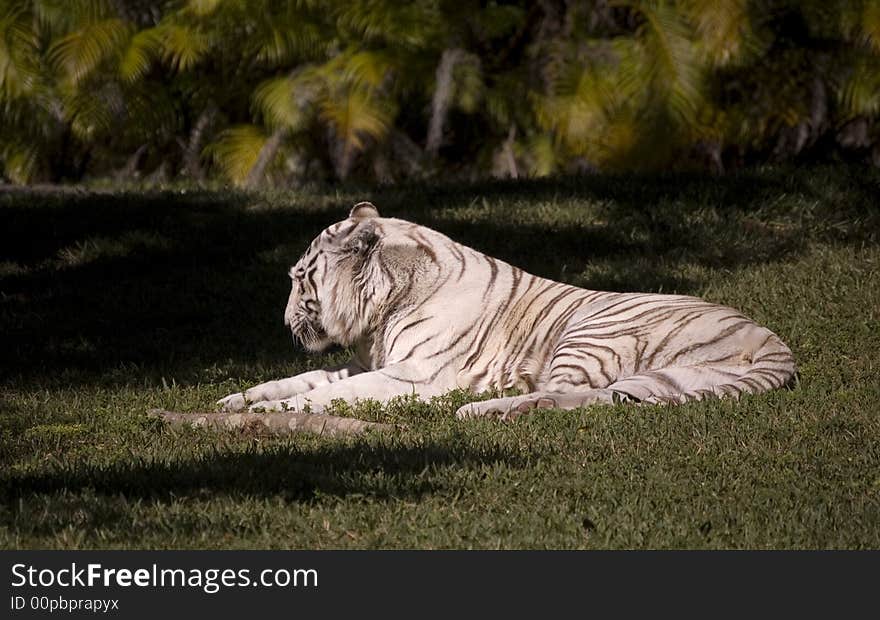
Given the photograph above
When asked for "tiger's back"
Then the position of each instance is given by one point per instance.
(506, 328)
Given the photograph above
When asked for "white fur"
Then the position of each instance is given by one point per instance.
(427, 315)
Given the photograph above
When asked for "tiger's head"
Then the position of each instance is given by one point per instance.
(349, 276)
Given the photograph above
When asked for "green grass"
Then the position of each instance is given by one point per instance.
(114, 302)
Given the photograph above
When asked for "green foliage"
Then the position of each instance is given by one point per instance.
(353, 88)
(78, 54)
(141, 52)
(237, 150)
(276, 100)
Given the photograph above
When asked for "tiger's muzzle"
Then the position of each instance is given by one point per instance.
(310, 334)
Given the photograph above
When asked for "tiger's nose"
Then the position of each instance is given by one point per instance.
(288, 315)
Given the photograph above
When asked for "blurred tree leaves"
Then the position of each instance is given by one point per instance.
(271, 91)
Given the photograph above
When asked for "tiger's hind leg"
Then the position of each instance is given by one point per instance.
(765, 367)
(671, 386)
(663, 386)
(677, 385)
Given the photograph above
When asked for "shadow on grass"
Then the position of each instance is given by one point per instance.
(127, 287)
(295, 474)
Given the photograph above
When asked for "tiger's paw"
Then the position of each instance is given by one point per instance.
(506, 409)
(232, 403)
(271, 406)
(284, 406)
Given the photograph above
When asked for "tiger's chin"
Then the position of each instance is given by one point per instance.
(317, 346)
(313, 340)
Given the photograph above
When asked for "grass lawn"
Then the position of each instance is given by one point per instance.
(114, 302)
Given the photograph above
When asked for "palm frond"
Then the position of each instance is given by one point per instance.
(203, 8)
(236, 151)
(859, 95)
(279, 40)
(82, 51)
(356, 116)
(407, 24)
(183, 45)
(142, 49)
(671, 62)
(584, 97)
(20, 161)
(723, 30)
(19, 54)
(67, 15)
(358, 68)
(870, 24)
(93, 114)
(285, 101)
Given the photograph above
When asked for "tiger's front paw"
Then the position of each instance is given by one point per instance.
(281, 406)
(271, 406)
(233, 402)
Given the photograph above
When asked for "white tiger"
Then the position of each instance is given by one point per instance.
(426, 315)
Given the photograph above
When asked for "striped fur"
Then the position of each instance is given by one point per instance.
(426, 315)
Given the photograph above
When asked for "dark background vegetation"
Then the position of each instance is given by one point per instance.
(256, 91)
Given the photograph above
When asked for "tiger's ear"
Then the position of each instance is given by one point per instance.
(364, 209)
(362, 241)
